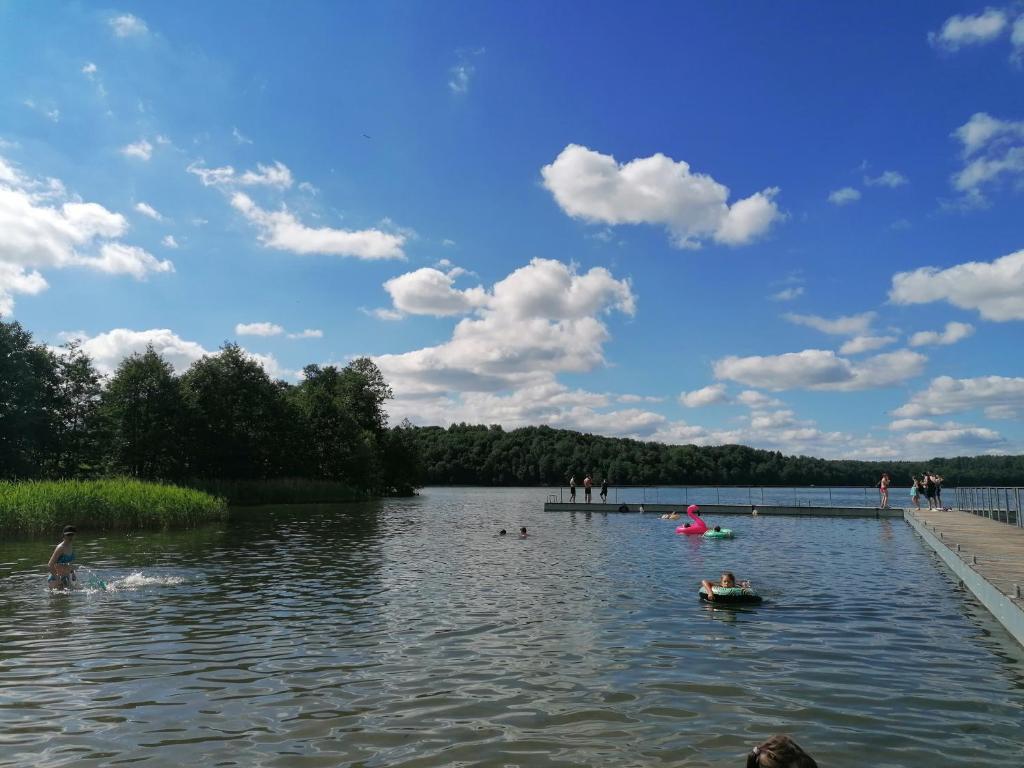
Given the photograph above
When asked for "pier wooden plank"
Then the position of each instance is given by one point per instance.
(988, 555)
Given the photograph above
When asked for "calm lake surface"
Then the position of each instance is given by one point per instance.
(405, 633)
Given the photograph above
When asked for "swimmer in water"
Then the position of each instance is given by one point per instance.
(728, 581)
(670, 516)
(522, 532)
(62, 573)
(502, 532)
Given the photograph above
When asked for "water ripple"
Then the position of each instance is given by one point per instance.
(408, 634)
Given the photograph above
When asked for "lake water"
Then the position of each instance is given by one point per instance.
(405, 633)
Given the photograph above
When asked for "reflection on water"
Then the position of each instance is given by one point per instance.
(406, 633)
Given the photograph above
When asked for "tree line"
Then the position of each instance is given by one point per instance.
(223, 418)
(465, 454)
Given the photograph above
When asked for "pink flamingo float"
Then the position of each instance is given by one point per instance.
(698, 526)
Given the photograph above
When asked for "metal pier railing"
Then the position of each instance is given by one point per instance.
(749, 495)
(996, 503)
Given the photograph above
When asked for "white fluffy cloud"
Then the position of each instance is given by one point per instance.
(126, 25)
(709, 395)
(1001, 396)
(38, 232)
(148, 210)
(168, 241)
(273, 329)
(995, 289)
(276, 176)
(820, 369)
(308, 333)
(107, 350)
(959, 31)
(430, 291)
(992, 148)
(656, 190)
(844, 196)
(754, 399)
(952, 333)
(890, 179)
(140, 150)
(859, 344)
(258, 329)
(846, 325)
(955, 436)
(540, 320)
(281, 230)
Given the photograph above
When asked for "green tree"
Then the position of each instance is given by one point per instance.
(28, 404)
(144, 414)
(238, 423)
(78, 427)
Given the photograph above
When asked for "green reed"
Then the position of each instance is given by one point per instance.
(114, 504)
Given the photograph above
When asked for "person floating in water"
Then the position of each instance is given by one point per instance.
(727, 581)
(62, 573)
(522, 532)
(502, 532)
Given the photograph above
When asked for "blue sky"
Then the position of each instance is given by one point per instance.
(795, 226)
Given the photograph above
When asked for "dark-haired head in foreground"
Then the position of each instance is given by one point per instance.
(779, 752)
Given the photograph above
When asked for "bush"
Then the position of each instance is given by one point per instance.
(115, 504)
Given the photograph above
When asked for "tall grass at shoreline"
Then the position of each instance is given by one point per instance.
(115, 504)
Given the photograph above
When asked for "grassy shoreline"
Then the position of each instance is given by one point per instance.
(38, 507)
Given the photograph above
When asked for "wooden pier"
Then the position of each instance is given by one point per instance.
(986, 555)
(724, 509)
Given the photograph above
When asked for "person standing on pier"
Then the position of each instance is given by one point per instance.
(604, 491)
(572, 488)
(588, 486)
(929, 488)
(883, 490)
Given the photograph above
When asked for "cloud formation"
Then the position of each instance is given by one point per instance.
(992, 149)
(540, 320)
(999, 396)
(148, 210)
(140, 150)
(846, 325)
(952, 333)
(891, 179)
(844, 196)
(820, 369)
(712, 394)
(656, 190)
(978, 29)
(42, 227)
(995, 289)
(276, 176)
(859, 344)
(282, 231)
(126, 25)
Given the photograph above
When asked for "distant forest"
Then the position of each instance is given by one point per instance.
(466, 454)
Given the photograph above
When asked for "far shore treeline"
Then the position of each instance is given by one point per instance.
(226, 427)
(223, 425)
(482, 455)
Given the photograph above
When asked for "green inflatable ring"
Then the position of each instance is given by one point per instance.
(732, 595)
(725, 533)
